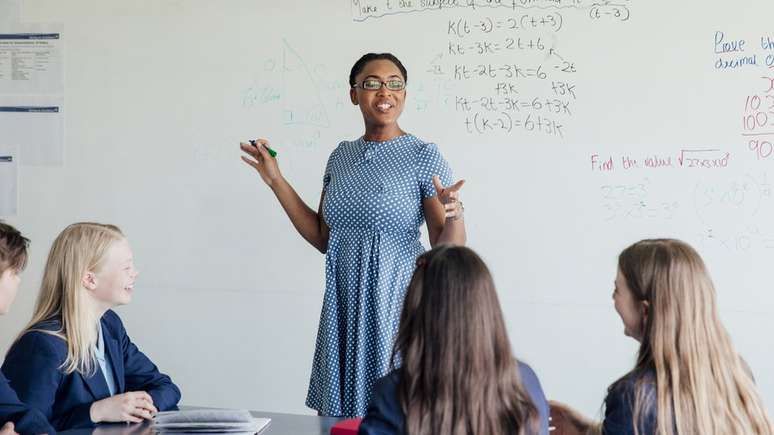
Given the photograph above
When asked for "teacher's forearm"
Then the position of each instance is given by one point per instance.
(453, 233)
(304, 219)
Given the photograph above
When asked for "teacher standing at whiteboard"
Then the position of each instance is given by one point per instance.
(377, 191)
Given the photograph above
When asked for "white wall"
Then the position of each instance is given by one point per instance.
(160, 92)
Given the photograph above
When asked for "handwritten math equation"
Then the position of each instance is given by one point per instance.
(363, 10)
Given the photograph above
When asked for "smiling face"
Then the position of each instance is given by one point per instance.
(114, 283)
(382, 107)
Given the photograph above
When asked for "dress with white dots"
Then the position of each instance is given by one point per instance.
(373, 205)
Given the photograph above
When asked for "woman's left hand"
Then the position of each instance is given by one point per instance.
(450, 198)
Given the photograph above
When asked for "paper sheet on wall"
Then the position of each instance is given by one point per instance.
(9, 176)
(31, 59)
(9, 12)
(36, 125)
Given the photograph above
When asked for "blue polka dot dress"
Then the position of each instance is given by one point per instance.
(373, 205)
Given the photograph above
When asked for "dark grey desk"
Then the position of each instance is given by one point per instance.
(281, 424)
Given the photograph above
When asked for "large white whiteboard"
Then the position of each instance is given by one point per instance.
(160, 92)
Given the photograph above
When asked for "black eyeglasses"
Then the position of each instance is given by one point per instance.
(376, 84)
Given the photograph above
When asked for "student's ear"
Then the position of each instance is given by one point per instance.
(645, 309)
(353, 96)
(89, 280)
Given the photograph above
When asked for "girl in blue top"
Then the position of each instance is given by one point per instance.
(689, 378)
(377, 192)
(75, 362)
(456, 373)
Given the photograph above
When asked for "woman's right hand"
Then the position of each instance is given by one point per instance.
(261, 160)
(567, 421)
(132, 407)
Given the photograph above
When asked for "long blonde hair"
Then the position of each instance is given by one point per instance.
(80, 248)
(702, 384)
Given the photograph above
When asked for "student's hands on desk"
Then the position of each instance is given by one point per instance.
(8, 429)
(132, 407)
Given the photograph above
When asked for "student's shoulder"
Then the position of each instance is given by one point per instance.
(621, 395)
(620, 402)
(387, 384)
(43, 339)
(531, 385)
(113, 322)
(384, 414)
(528, 376)
(384, 405)
(525, 370)
(627, 386)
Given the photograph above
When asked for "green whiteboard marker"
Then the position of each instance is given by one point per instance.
(271, 151)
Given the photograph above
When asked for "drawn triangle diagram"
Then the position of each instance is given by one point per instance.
(302, 102)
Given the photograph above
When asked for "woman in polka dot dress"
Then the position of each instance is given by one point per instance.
(377, 191)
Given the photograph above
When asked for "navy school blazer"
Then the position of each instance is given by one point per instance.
(619, 405)
(32, 367)
(26, 420)
(385, 416)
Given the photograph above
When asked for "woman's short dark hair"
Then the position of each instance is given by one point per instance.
(363, 61)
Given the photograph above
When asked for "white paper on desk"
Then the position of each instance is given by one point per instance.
(9, 179)
(200, 421)
(203, 416)
(32, 59)
(257, 427)
(9, 12)
(36, 125)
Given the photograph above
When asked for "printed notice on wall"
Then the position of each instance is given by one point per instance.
(9, 173)
(32, 60)
(36, 125)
